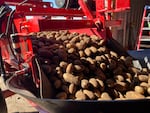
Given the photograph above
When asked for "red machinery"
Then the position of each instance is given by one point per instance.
(100, 14)
(85, 19)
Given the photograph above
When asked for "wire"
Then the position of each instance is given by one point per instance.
(22, 2)
(9, 22)
(67, 4)
(40, 76)
(4, 10)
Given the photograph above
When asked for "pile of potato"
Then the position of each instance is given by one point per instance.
(81, 67)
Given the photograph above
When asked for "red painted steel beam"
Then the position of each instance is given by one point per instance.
(122, 4)
(64, 24)
(37, 11)
(85, 8)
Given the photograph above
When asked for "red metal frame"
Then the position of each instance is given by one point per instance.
(95, 22)
(99, 16)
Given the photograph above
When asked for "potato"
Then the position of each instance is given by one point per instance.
(102, 42)
(102, 49)
(105, 96)
(63, 38)
(72, 88)
(93, 82)
(94, 37)
(144, 85)
(79, 68)
(101, 58)
(139, 89)
(121, 95)
(134, 95)
(87, 52)
(128, 75)
(89, 94)
(84, 83)
(100, 75)
(81, 53)
(103, 66)
(80, 46)
(63, 65)
(86, 39)
(93, 49)
(57, 83)
(121, 86)
(101, 84)
(80, 95)
(108, 56)
(97, 93)
(74, 40)
(69, 68)
(110, 83)
(71, 78)
(123, 58)
(149, 80)
(129, 80)
(61, 95)
(119, 78)
(148, 90)
(71, 50)
(114, 54)
(143, 78)
(82, 67)
(133, 70)
(90, 60)
(68, 45)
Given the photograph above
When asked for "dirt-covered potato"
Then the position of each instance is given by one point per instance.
(61, 95)
(72, 88)
(57, 83)
(139, 89)
(84, 83)
(105, 96)
(134, 95)
(83, 67)
(80, 95)
(70, 78)
(89, 94)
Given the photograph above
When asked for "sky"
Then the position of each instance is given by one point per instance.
(50, 1)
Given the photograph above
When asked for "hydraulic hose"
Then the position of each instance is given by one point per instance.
(2, 70)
